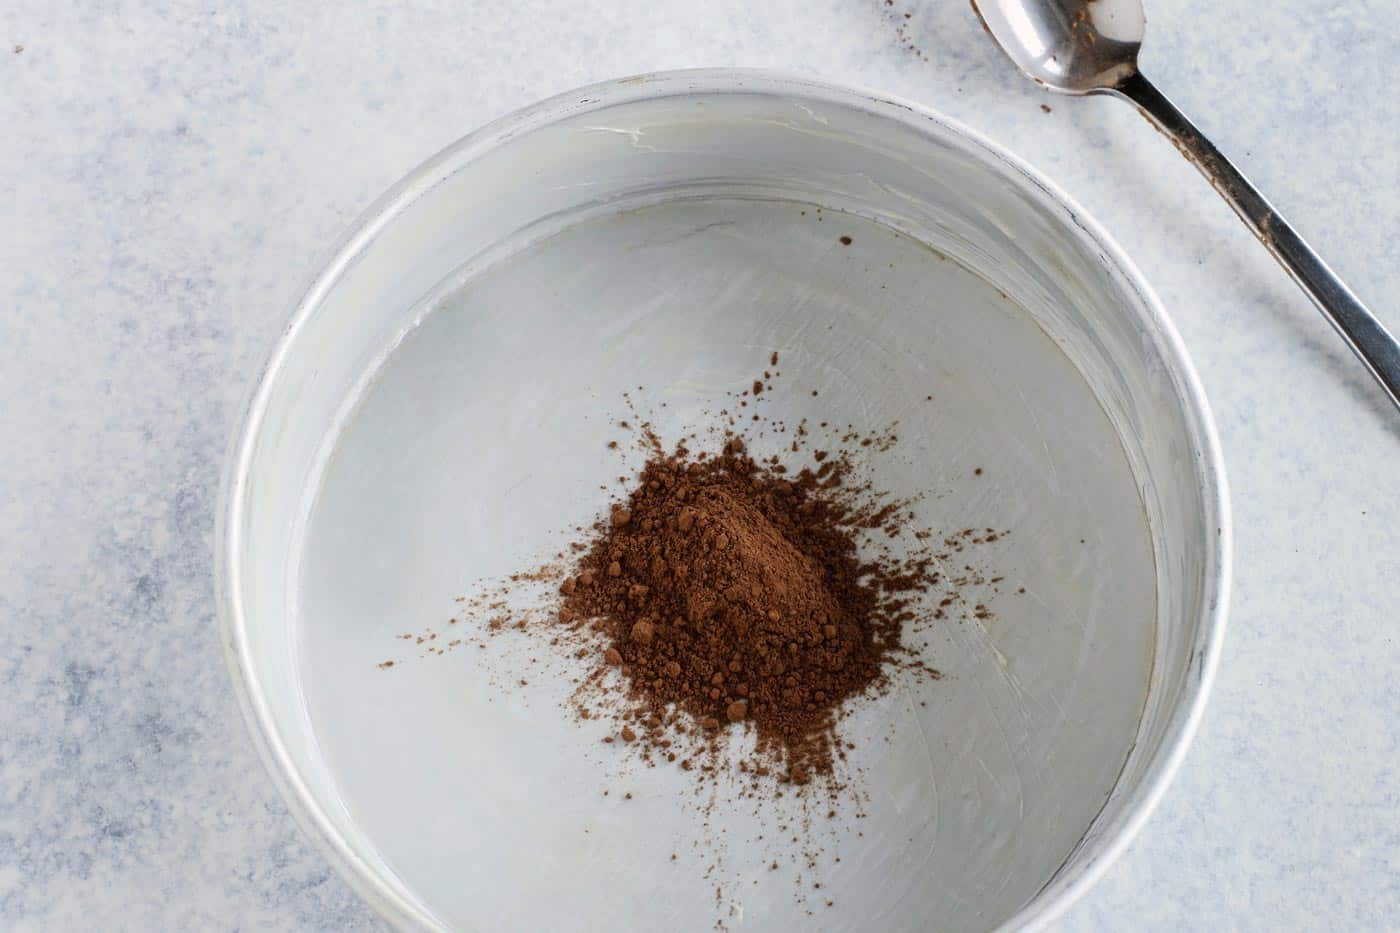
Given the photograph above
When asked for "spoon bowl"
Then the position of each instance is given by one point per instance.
(1069, 46)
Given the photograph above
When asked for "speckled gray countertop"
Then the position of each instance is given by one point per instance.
(170, 173)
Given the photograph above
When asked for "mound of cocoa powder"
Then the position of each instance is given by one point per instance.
(733, 591)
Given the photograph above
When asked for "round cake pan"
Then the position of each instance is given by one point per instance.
(436, 416)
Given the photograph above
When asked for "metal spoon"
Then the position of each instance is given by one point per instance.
(1091, 47)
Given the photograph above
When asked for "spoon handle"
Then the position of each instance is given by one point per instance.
(1366, 336)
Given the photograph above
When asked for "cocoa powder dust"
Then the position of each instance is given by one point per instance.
(731, 591)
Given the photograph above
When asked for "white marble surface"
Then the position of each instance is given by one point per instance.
(170, 172)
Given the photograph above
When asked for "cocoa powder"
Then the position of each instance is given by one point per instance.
(733, 592)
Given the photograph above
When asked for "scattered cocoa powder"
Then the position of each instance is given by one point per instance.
(733, 591)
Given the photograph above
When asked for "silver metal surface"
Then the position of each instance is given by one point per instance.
(438, 410)
(1091, 47)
